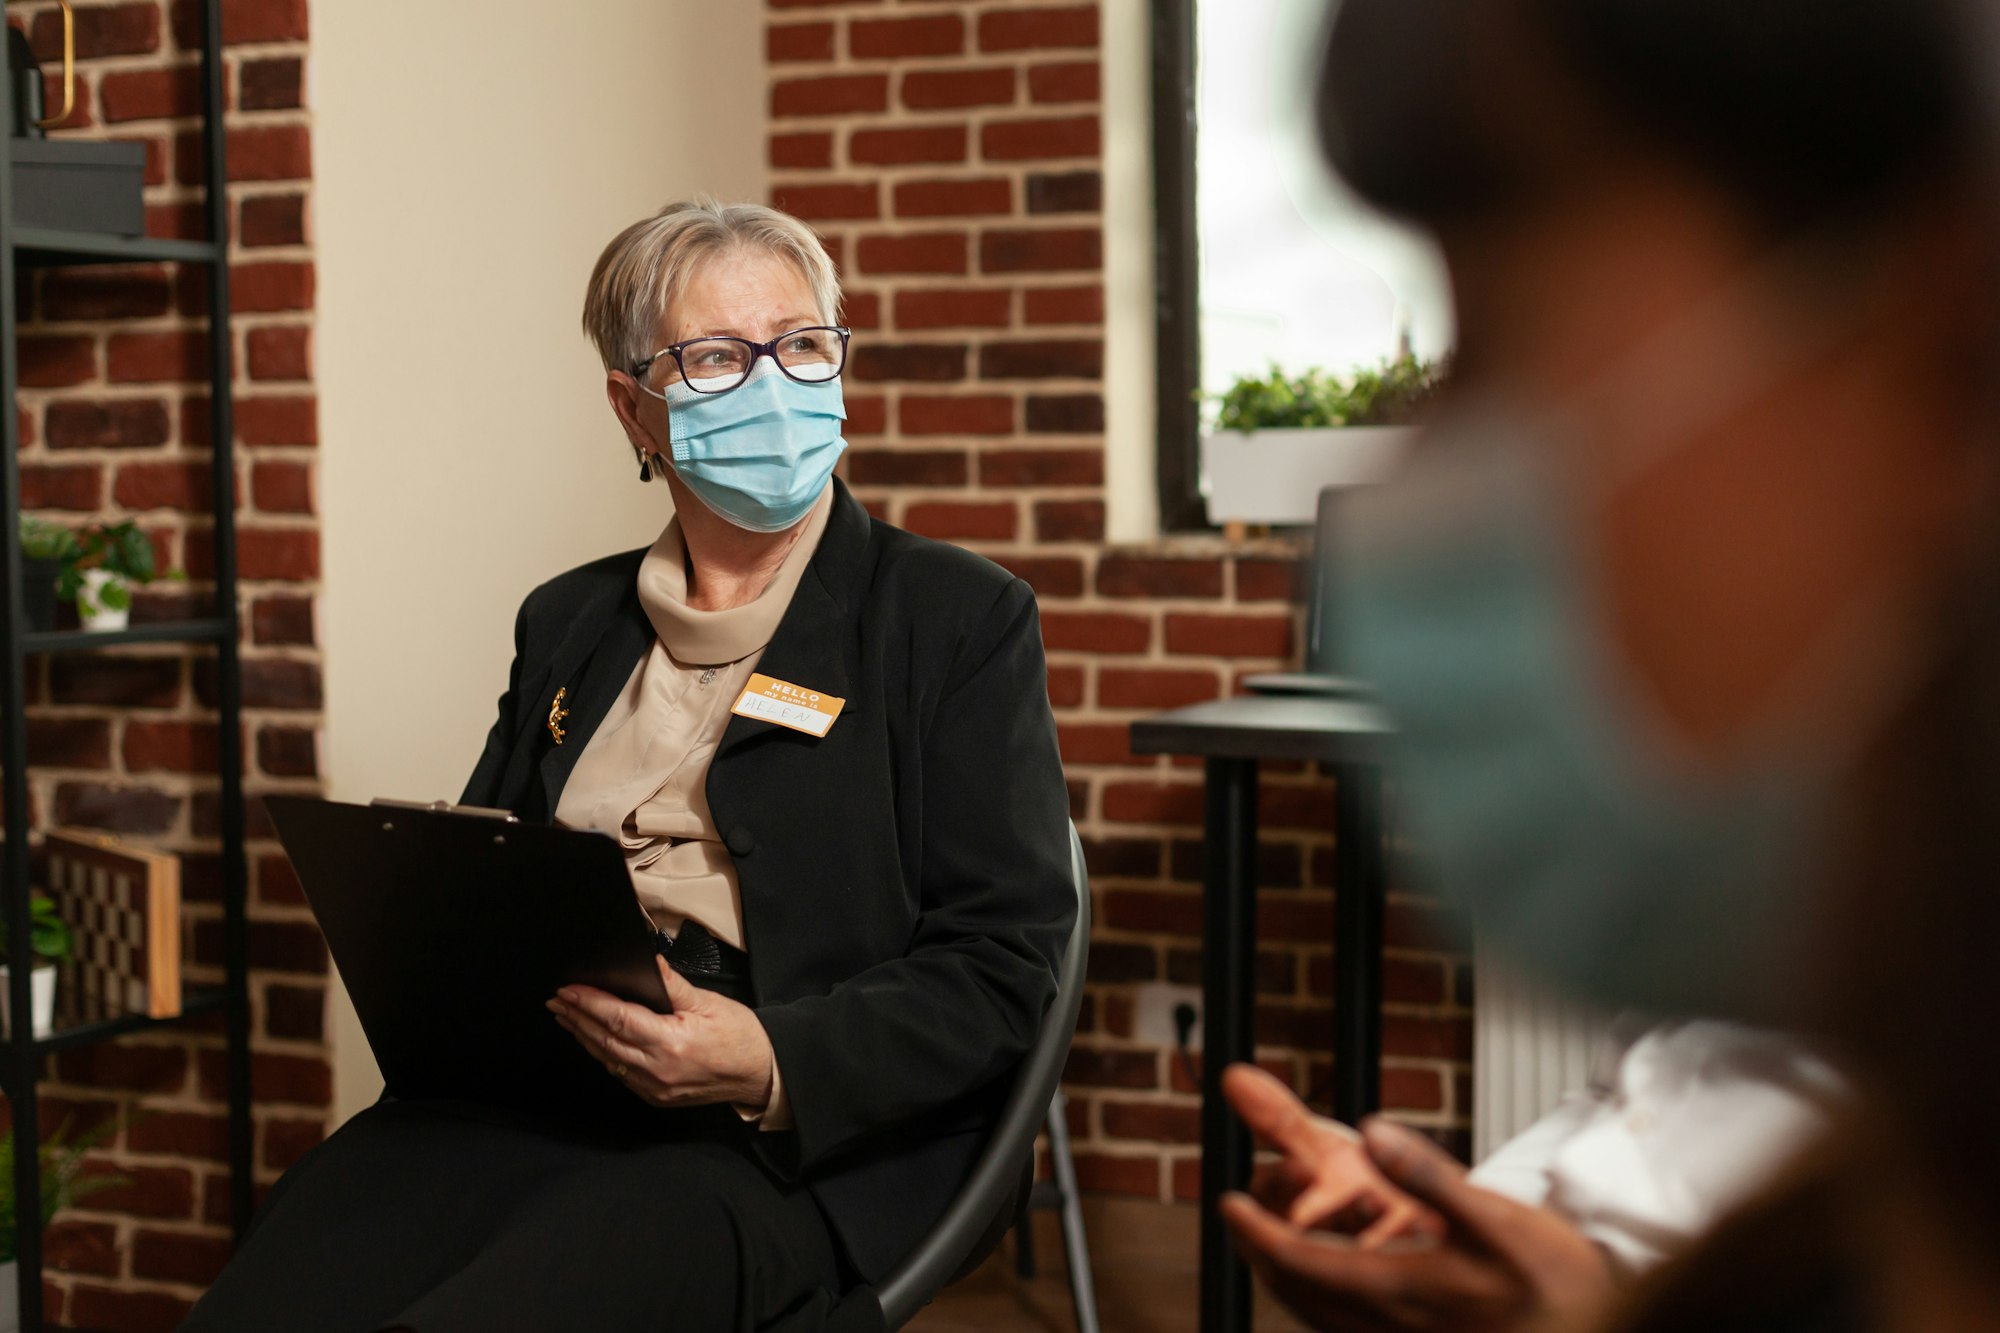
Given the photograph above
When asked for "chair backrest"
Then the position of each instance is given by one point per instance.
(996, 1176)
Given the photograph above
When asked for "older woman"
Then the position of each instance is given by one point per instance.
(825, 747)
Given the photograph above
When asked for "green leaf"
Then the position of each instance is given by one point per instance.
(135, 553)
(49, 936)
(1394, 393)
(63, 1183)
(43, 540)
(121, 548)
(53, 940)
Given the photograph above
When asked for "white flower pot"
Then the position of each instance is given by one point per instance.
(10, 1297)
(90, 608)
(1275, 476)
(42, 987)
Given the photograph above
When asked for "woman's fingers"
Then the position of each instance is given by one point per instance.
(630, 1032)
(632, 1071)
(710, 1049)
(598, 1039)
(621, 1018)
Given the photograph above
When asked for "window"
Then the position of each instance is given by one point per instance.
(1264, 256)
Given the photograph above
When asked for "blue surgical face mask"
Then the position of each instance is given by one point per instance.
(759, 454)
(1537, 782)
(1540, 775)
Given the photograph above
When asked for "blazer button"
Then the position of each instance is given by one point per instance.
(739, 841)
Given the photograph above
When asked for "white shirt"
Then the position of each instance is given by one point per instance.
(1678, 1127)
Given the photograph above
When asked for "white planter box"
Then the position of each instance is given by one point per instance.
(101, 617)
(1275, 476)
(10, 1297)
(42, 989)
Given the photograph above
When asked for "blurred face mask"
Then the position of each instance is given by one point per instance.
(759, 454)
(1534, 773)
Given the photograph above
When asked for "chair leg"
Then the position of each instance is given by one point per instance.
(1082, 1286)
(1024, 1235)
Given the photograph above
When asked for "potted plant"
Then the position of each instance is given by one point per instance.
(51, 941)
(1280, 439)
(115, 558)
(63, 1186)
(48, 550)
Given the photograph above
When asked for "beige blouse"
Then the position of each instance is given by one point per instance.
(643, 775)
(642, 778)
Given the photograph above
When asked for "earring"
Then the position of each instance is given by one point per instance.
(645, 468)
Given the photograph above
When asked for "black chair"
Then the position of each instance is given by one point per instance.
(1060, 1195)
(977, 1218)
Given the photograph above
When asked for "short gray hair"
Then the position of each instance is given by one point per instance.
(646, 268)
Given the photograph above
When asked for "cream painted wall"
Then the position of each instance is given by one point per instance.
(471, 162)
(1131, 451)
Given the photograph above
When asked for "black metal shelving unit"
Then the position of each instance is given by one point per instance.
(21, 249)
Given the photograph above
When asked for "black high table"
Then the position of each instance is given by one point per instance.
(1233, 735)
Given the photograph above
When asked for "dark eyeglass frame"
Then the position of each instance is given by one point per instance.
(757, 349)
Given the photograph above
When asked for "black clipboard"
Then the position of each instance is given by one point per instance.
(452, 929)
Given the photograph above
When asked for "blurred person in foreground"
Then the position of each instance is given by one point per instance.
(1685, 612)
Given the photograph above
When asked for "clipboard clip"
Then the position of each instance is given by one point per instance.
(447, 808)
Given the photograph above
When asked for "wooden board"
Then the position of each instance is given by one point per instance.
(124, 903)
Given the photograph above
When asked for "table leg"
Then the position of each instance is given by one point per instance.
(1228, 974)
(1360, 889)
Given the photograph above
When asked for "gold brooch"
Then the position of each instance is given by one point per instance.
(557, 713)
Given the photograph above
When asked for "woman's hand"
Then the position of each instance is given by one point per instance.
(709, 1049)
(1501, 1267)
(1326, 1178)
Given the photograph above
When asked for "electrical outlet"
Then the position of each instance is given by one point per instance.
(1153, 1008)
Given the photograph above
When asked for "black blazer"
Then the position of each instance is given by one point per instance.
(905, 880)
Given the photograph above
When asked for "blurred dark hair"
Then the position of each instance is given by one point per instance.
(1804, 111)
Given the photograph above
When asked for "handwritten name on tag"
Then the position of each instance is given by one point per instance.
(770, 700)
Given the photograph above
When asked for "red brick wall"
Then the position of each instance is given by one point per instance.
(950, 153)
(114, 422)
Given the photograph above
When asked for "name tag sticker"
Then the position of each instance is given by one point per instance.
(770, 700)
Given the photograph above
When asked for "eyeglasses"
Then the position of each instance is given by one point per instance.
(717, 365)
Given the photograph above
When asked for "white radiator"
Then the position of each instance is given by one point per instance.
(1529, 1047)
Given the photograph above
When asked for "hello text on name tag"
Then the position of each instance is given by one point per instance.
(770, 700)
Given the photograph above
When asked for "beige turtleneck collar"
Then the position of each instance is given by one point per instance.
(712, 638)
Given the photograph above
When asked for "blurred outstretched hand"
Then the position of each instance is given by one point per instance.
(1467, 1260)
(1325, 1179)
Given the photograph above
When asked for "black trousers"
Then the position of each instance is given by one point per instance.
(446, 1217)
(440, 1218)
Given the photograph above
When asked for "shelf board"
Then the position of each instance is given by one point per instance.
(88, 640)
(195, 1001)
(40, 247)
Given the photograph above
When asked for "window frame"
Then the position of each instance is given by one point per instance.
(1177, 270)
